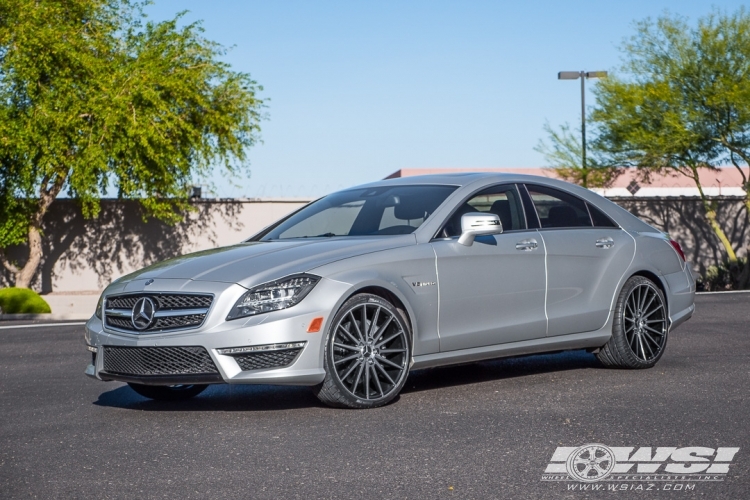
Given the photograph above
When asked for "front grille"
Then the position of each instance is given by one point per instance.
(172, 311)
(141, 361)
(267, 359)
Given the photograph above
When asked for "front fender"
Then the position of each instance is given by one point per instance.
(409, 274)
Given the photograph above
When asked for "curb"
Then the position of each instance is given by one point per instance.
(52, 317)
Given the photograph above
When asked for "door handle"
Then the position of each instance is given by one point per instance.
(527, 245)
(605, 242)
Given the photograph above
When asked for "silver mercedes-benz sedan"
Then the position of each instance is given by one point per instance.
(357, 288)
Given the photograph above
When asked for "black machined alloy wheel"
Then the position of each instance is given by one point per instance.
(168, 392)
(641, 324)
(367, 354)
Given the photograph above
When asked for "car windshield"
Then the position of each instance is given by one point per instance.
(382, 210)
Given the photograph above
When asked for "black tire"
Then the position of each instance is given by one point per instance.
(640, 327)
(367, 354)
(168, 392)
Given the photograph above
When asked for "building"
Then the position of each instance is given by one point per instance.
(725, 181)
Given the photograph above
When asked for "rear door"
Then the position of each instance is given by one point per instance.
(491, 292)
(587, 255)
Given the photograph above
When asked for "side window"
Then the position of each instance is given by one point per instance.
(557, 208)
(600, 220)
(503, 201)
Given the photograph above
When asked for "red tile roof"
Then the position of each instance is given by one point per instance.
(725, 181)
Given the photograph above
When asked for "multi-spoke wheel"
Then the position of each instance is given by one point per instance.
(590, 463)
(168, 392)
(639, 331)
(367, 354)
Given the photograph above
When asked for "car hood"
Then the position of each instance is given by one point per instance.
(252, 263)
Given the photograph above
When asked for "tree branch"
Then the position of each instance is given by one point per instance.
(733, 150)
(7, 265)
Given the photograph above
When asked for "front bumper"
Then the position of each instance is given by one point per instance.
(275, 332)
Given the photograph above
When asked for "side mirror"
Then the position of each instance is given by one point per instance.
(476, 224)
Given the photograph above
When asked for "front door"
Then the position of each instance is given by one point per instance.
(491, 292)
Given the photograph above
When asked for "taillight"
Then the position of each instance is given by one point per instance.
(678, 249)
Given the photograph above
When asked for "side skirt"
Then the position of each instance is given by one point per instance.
(545, 344)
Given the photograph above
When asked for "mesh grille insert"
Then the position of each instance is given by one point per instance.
(177, 321)
(158, 360)
(268, 359)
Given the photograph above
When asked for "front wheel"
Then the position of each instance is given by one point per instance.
(641, 324)
(168, 392)
(367, 354)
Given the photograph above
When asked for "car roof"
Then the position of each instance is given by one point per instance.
(454, 179)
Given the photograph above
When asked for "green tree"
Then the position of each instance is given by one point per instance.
(563, 152)
(94, 97)
(682, 103)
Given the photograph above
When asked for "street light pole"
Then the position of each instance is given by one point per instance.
(573, 75)
(583, 128)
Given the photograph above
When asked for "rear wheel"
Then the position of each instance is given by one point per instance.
(367, 354)
(639, 331)
(168, 392)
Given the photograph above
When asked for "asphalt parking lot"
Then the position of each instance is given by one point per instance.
(486, 430)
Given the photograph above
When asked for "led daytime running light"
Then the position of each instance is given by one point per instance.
(256, 348)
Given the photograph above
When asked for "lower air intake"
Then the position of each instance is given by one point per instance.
(141, 361)
(265, 360)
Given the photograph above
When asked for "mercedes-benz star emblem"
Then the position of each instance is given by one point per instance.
(143, 313)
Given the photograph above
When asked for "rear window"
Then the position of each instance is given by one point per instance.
(558, 209)
(599, 218)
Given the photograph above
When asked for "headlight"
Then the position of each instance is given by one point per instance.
(98, 312)
(273, 296)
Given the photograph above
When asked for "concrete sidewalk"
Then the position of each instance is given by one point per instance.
(65, 306)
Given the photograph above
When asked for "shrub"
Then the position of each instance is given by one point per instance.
(725, 276)
(22, 300)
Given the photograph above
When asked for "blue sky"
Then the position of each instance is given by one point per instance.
(361, 89)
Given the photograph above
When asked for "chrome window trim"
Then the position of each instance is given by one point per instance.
(586, 204)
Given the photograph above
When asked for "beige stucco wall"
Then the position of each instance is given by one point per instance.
(84, 255)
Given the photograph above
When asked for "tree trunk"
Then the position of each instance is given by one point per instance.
(719, 232)
(743, 281)
(711, 217)
(24, 276)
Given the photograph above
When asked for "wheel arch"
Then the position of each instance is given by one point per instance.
(391, 296)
